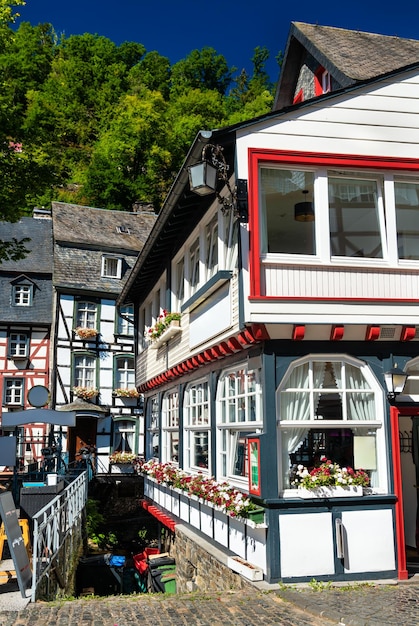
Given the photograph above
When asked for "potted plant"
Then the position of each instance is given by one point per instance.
(85, 393)
(165, 320)
(328, 479)
(122, 458)
(86, 333)
(219, 494)
(125, 393)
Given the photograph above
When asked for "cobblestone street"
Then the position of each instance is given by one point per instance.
(360, 605)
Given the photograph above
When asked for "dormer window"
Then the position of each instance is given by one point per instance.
(22, 295)
(111, 267)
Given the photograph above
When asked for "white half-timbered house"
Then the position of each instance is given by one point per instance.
(297, 287)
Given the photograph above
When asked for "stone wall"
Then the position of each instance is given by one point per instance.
(199, 565)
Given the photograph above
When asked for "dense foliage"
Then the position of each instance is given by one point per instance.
(87, 121)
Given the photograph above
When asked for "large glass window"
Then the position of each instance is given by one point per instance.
(330, 407)
(239, 413)
(355, 219)
(170, 427)
(194, 267)
(407, 219)
(196, 412)
(86, 314)
(286, 195)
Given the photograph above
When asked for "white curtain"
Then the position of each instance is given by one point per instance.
(295, 405)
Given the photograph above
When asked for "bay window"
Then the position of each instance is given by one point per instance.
(331, 407)
(370, 213)
(196, 413)
(239, 414)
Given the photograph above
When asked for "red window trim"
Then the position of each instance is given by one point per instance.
(258, 156)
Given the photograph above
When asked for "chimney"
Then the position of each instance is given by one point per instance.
(142, 207)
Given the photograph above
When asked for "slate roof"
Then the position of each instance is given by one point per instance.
(83, 234)
(39, 230)
(94, 227)
(36, 266)
(350, 56)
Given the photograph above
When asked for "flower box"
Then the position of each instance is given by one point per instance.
(256, 515)
(246, 569)
(330, 492)
(86, 333)
(167, 334)
(122, 468)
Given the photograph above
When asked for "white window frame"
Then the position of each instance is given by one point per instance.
(153, 426)
(14, 391)
(85, 371)
(170, 427)
(386, 212)
(124, 326)
(18, 345)
(86, 314)
(22, 295)
(300, 427)
(211, 247)
(111, 266)
(236, 396)
(124, 439)
(196, 426)
(124, 371)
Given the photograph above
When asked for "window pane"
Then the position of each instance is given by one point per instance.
(281, 191)
(407, 217)
(86, 315)
(354, 218)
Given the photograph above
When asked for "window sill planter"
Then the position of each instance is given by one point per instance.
(244, 568)
(85, 393)
(167, 334)
(86, 333)
(121, 468)
(257, 516)
(125, 393)
(330, 492)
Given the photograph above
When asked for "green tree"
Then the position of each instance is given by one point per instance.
(201, 69)
(130, 160)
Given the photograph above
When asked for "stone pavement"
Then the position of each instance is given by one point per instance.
(317, 605)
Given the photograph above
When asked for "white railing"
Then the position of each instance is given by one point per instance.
(53, 524)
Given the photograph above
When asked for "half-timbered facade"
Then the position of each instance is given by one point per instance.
(94, 373)
(294, 300)
(25, 327)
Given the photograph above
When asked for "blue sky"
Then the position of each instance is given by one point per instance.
(232, 28)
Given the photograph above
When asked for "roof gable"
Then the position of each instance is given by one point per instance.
(349, 56)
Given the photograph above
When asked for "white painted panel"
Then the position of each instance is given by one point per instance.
(184, 508)
(306, 545)
(206, 520)
(237, 542)
(369, 541)
(175, 504)
(210, 318)
(67, 305)
(194, 513)
(220, 530)
(256, 547)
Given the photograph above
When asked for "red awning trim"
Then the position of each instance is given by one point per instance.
(247, 337)
(160, 515)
